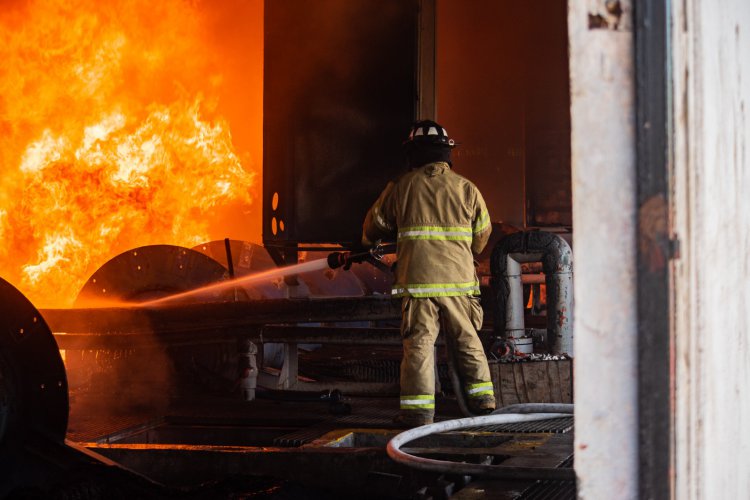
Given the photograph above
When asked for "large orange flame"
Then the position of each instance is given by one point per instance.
(109, 137)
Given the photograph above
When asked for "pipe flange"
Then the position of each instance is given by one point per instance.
(503, 350)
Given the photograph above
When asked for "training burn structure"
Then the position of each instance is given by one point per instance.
(164, 341)
(614, 132)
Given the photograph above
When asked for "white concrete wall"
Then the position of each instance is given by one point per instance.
(711, 208)
(603, 161)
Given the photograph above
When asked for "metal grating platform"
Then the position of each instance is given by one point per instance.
(302, 436)
(554, 426)
(552, 490)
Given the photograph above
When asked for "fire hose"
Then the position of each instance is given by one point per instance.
(456, 379)
(500, 417)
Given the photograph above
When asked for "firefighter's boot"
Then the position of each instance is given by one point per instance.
(413, 418)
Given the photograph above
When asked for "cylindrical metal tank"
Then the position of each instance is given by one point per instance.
(33, 386)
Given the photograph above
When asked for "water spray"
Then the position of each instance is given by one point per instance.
(335, 260)
(281, 272)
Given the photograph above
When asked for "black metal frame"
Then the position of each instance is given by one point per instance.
(654, 246)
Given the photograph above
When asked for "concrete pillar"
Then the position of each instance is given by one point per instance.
(604, 222)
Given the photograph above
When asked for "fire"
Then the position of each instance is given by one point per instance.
(109, 137)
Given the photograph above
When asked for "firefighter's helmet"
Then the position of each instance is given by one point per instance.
(429, 132)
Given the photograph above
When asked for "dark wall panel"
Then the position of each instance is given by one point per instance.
(339, 84)
(503, 94)
(547, 129)
(481, 97)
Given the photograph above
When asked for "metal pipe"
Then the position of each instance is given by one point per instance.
(557, 262)
(514, 321)
(443, 466)
(230, 260)
(248, 368)
(533, 279)
(230, 266)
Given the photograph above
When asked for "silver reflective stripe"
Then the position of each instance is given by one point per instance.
(482, 223)
(480, 389)
(406, 234)
(417, 401)
(436, 233)
(396, 291)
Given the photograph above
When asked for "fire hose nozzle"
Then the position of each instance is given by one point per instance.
(345, 259)
(338, 259)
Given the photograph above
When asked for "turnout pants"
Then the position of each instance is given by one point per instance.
(421, 319)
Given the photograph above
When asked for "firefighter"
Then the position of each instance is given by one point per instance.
(440, 221)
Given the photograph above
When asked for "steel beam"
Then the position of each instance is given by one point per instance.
(219, 315)
(655, 247)
(265, 334)
(349, 467)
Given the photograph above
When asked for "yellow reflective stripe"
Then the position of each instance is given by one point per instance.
(424, 295)
(430, 406)
(445, 233)
(480, 384)
(436, 289)
(418, 402)
(437, 228)
(480, 389)
(441, 285)
(482, 222)
(482, 393)
(435, 237)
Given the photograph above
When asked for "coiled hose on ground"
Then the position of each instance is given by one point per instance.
(458, 387)
(500, 417)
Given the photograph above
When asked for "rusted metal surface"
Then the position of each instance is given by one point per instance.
(219, 315)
